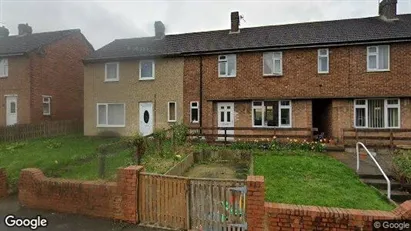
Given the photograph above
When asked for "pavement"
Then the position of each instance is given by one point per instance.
(60, 221)
(367, 166)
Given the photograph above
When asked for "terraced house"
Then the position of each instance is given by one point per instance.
(334, 77)
(41, 75)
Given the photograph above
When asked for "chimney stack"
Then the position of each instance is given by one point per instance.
(24, 29)
(388, 9)
(160, 29)
(235, 22)
(4, 32)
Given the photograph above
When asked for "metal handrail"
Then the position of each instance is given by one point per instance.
(357, 148)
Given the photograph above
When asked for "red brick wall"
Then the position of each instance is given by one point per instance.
(60, 74)
(298, 217)
(114, 200)
(3, 183)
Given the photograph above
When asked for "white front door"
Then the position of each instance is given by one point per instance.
(11, 110)
(225, 119)
(146, 118)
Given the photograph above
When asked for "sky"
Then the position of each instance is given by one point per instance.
(103, 21)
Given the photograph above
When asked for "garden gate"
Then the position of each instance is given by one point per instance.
(191, 203)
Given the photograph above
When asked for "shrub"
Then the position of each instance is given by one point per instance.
(13, 146)
(402, 166)
(180, 132)
(52, 144)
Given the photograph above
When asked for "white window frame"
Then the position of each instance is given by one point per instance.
(323, 56)
(107, 125)
(153, 66)
(175, 111)
(4, 63)
(198, 114)
(376, 54)
(220, 60)
(273, 73)
(280, 125)
(45, 99)
(118, 72)
(386, 106)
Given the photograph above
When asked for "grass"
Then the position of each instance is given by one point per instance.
(53, 156)
(314, 179)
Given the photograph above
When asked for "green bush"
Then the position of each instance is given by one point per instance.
(180, 132)
(402, 166)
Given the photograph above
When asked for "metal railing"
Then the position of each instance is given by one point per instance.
(357, 149)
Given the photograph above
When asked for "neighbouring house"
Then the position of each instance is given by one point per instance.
(133, 86)
(336, 77)
(41, 75)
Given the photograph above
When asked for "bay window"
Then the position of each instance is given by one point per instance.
(271, 113)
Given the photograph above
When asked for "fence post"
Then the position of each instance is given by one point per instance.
(391, 140)
(225, 136)
(101, 164)
(356, 136)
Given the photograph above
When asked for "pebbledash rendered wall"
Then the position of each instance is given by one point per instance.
(276, 216)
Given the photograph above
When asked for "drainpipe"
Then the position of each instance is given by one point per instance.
(201, 93)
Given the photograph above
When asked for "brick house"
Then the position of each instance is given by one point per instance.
(288, 79)
(41, 75)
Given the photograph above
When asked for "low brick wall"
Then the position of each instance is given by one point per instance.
(3, 183)
(276, 216)
(114, 200)
(180, 168)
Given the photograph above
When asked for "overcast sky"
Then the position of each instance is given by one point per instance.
(103, 21)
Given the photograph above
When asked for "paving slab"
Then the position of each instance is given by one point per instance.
(60, 221)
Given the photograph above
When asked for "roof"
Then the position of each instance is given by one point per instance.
(277, 36)
(17, 44)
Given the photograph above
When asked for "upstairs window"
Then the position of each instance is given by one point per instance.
(194, 112)
(378, 58)
(147, 69)
(46, 105)
(112, 72)
(273, 63)
(272, 113)
(172, 111)
(377, 113)
(227, 65)
(323, 61)
(4, 68)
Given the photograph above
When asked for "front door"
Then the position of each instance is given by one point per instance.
(225, 119)
(146, 118)
(11, 110)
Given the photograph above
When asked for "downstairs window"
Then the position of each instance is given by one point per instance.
(271, 113)
(377, 113)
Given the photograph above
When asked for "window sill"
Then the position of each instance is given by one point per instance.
(194, 122)
(371, 71)
(3, 77)
(144, 79)
(273, 75)
(228, 76)
(323, 73)
(110, 81)
(46, 114)
(172, 121)
(265, 127)
(111, 126)
(368, 128)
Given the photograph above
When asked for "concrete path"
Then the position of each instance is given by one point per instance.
(61, 222)
(367, 166)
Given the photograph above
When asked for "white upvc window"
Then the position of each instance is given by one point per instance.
(272, 63)
(46, 105)
(4, 68)
(112, 71)
(111, 115)
(147, 69)
(227, 65)
(378, 58)
(377, 113)
(172, 112)
(194, 112)
(271, 113)
(323, 61)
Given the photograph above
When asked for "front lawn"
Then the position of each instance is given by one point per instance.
(54, 156)
(314, 179)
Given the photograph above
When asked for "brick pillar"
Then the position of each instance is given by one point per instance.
(255, 203)
(403, 210)
(3, 183)
(127, 185)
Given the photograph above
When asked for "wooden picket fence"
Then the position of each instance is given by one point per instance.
(45, 129)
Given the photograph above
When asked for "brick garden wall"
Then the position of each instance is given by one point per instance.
(277, 216)
(3, 183)
(113, 200)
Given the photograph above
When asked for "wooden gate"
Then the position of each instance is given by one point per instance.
(163, 201)
(217, 205)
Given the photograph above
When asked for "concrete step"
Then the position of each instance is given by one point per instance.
(334, 148)
(382, 183)
(372, 176)
(398, 196)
